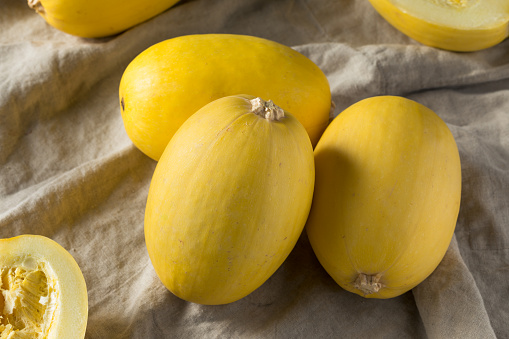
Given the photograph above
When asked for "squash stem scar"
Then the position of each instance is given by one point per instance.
(267, 109)
(368, 284)
(36, 6)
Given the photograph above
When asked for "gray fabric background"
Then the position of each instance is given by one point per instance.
(68, 171)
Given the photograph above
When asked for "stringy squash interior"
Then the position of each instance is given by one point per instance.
(29, 299)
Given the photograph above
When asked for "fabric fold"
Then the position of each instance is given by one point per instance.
(449, 301)
(69, 171)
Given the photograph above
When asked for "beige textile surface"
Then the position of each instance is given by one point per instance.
(68, 171)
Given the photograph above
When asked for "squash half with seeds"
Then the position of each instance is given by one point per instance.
(44, 294)
(455, 25)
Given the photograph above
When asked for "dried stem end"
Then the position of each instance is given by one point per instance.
(267, 109)
(368, 284)
(36, 6)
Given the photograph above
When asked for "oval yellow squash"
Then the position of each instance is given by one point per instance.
(228, 199)
(387, 196)
(43, 290)
(171, 80)
(97, 18)
(456, 25)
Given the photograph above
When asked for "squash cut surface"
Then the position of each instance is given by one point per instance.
(457, 25)
(43, 293)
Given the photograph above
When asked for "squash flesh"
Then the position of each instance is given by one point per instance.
(29, 300)
(387, 193)
(456, 25)
(171, 80)
(222, 213)
(43, 291)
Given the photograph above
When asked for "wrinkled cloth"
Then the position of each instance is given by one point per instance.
(68, 171)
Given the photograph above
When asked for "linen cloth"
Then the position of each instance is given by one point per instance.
(68, 171)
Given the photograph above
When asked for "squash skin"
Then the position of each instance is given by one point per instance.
(96, 18)
(440, 36)
(228, 201)
(171, 80)
(387, 195)
(72, 311)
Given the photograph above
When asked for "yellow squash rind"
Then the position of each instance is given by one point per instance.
(97, 18)
(387, 196)
(228, 200)
(171, 80)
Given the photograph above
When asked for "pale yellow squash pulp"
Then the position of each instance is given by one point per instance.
(456, 25)
(43, 292)
(97, 18)
(171, 80)
(229, 199)
(387, 196)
